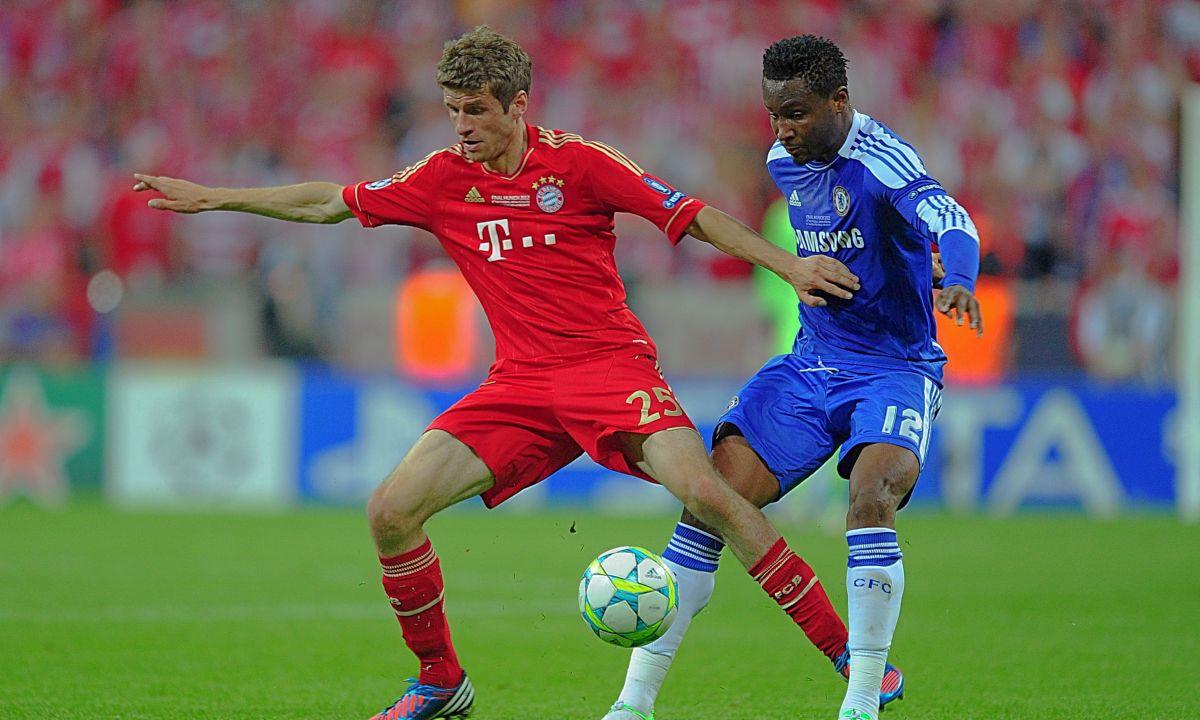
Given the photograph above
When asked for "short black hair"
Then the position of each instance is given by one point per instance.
(816, 60)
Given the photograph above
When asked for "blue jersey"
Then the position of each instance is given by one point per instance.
(875, 209)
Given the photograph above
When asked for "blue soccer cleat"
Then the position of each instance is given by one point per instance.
(892, 687)
(426, 702)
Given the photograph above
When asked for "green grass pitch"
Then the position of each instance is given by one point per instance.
(139, 616)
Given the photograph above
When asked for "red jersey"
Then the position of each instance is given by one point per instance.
(536, 246)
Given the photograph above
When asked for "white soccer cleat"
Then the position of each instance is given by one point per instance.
(621, 711)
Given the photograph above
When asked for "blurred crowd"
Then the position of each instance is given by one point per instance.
(1056, 125)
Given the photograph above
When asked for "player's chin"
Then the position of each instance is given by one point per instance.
(800, 157)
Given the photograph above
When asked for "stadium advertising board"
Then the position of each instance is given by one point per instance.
(1041, 444)
(1001, 448)
(201, 437)
(353, 432)
(51, 433)
(273, 435)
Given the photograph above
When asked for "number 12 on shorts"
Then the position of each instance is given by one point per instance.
(911, 423)
(666, 403)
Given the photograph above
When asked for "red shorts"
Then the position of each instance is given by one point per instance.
(526, 424)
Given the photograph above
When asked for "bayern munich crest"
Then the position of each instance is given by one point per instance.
(549, 194)
(841, 201)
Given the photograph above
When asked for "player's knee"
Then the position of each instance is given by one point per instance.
(391, 512)
(875, 497)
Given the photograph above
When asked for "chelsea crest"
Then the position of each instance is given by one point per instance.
(841, 201)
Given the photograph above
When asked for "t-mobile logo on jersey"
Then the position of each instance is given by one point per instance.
(495, 243)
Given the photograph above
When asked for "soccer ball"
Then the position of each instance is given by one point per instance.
(628, 596)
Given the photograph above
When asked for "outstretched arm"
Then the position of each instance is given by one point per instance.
(311, 202)
(818, 273)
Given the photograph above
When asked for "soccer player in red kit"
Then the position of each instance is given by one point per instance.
(527, 215)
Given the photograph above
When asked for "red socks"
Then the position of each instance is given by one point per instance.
(793, 584)
(413, 581)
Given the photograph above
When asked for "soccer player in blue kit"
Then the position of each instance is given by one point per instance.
(865, 373)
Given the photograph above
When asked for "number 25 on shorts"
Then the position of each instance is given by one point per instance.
(665, 403)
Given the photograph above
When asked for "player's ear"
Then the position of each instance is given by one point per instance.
(841, 99)
(519, 104)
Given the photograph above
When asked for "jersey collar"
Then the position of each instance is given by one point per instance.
(855, 126)
(844, 151)
(530, 141)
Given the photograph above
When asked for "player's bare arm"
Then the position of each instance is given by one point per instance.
(808, 276)
(310, 202)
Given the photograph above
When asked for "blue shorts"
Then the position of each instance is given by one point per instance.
(797, 410)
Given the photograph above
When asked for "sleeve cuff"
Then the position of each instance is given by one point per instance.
(968, 283)
(677, 226)
(350, 197)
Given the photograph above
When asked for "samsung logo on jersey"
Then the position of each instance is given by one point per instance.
(673, 200)
(821, 241)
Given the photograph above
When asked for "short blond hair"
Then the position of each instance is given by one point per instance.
(485, 60)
